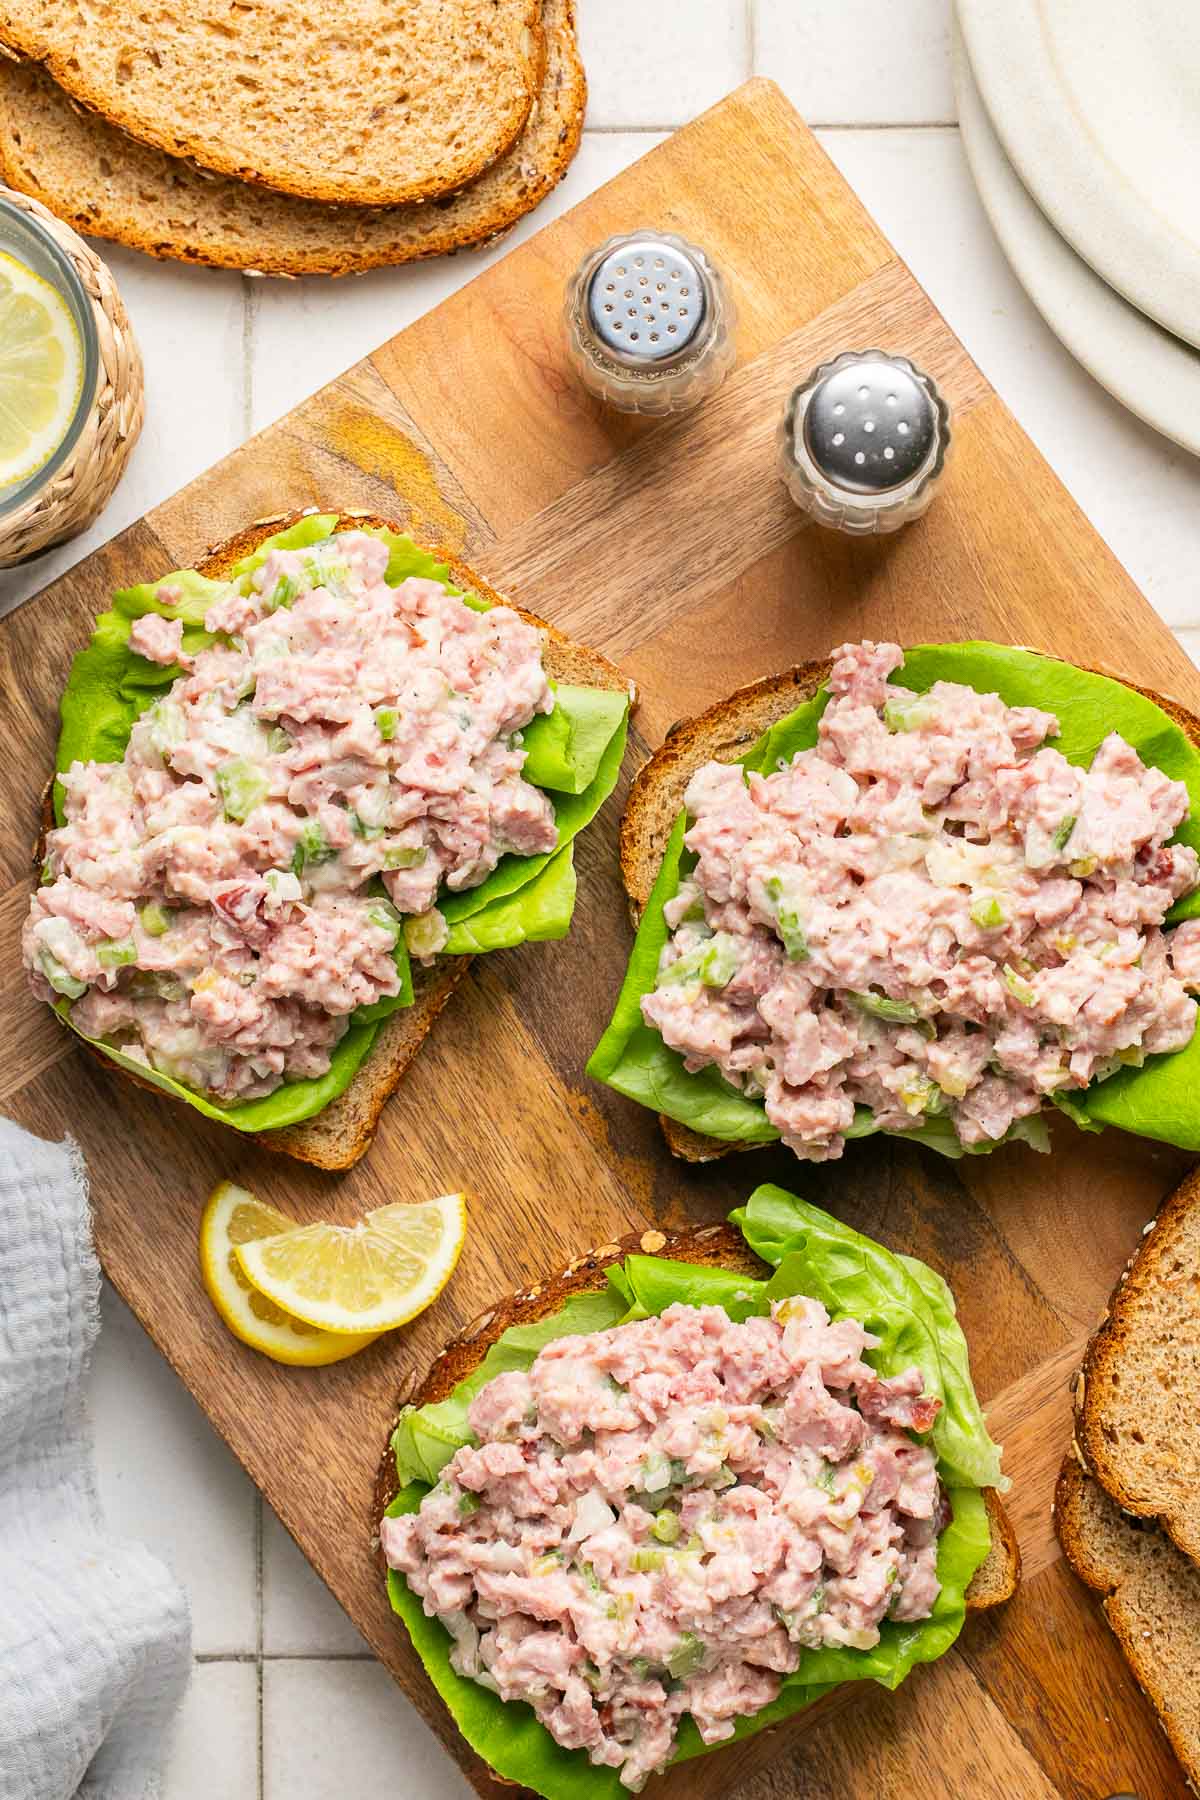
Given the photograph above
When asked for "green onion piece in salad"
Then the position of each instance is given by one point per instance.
(666, 1527)
(312, 847)
(787, 921)
(710, 964)
(1018, 987)
(383, 914)
(987, 912)
(1062, 836)
(156, 921)
(879, 1006)
(116, 953)
(242, 786)
(687, 1658)
(386, 720)
(405, 856)
(60, 977)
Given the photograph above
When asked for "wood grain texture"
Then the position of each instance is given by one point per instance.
(672, 548)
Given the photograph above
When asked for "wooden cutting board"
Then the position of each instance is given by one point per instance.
(674, 549)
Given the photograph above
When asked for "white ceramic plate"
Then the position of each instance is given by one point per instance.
(1097, 104)
(1152, 373)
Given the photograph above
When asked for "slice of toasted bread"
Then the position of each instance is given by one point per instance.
(1151, 1600)
(109, 185)
(1136, 1420)
(723, 734)
(713, 1246)
(360, 103)
(337, 1136)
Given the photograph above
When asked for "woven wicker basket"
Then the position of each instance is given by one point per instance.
(76, 492)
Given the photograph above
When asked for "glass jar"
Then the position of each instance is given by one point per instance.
(32, 244)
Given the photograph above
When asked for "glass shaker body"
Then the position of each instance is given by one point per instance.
(863, 441)
(650, 323)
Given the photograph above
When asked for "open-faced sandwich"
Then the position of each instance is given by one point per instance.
(297, 789)
(929, 892)
(670, 1498)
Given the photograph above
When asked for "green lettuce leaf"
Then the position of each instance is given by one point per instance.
(288, 1105)
(899, 1299)
(1155, 1101)
(904, 1302)
(538, 911)
(426, 1438)
(525, 898)
(564, 748)
(572, 812)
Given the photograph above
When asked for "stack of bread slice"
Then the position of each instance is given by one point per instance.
(1128, 1502)
(291, 140)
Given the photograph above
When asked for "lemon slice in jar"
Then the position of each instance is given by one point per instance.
(41, 370)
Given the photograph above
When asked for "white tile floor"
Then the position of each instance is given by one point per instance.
(226, 356)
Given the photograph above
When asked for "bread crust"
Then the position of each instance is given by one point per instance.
(1135, 1475)
(1150, 1599)
(107, 184)
(257, 158)
(723, 732)
(713, 1246)
(341, 1133)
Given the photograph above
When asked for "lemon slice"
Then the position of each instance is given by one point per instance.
(368, 1277)
(234, 1217)
(41, 370)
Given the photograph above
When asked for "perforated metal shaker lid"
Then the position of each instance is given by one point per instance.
(863, 441)
(648, 299)
(650, 323)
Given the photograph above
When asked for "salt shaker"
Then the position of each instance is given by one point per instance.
(650, 323)
(862, 442)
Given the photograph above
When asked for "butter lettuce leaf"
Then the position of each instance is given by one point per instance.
(899, 1299)
(525, 898)
(288, 1105)
(537, 912)
(1155, 1101)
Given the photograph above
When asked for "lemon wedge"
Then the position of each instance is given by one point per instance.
(234, 1217)
(367, 1277)
(41, 370)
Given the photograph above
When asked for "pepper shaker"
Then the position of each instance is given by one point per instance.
(650, 323)
(863, 441)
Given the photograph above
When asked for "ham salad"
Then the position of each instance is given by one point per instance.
(932, 912)
(220, 901)
(657, 1519)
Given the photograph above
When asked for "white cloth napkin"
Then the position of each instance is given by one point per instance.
(95, 1638)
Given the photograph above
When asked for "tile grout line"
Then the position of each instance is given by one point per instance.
(258, 1638)
(249, 335)
(813, 125)
(251, 1658)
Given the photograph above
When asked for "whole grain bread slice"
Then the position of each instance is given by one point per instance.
(723, 734)
(1137, 1422)
(712, 1246)
(337, 1136)
(109, 185)
(351, 101)
(1151, 1601)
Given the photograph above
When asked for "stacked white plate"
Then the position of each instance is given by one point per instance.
(1081, 123)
